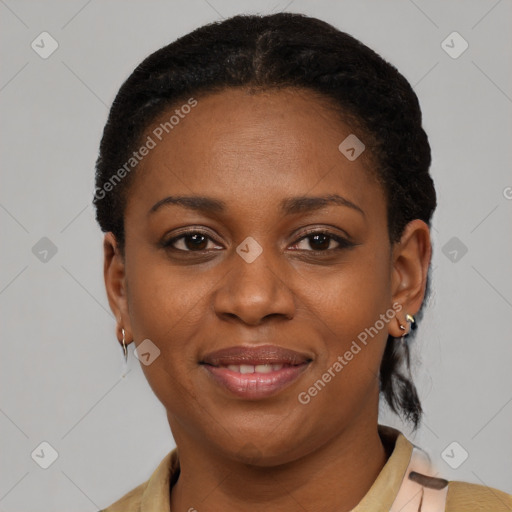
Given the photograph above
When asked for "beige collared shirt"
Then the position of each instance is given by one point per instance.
(154, 494)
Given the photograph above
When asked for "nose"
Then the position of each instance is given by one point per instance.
(252, 292)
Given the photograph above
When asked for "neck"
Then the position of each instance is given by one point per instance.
(334, 477)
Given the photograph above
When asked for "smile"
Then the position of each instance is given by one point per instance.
(255, 372)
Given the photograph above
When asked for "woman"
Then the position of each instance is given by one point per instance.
(264, 188)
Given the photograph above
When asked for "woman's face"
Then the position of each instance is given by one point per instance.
(252, 274)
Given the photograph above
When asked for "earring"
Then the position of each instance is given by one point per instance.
(410, 320)
(125, 350)
(124, 355)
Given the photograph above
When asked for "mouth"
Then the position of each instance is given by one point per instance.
(254, 373)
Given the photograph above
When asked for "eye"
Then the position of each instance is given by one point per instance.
(322, 241)
(198, 241)
(190, 241)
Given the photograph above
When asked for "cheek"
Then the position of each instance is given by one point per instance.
(165, 301)
(348, 311)
(168, 308)
(353, 299)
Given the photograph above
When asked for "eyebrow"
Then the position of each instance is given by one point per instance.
(289, 206)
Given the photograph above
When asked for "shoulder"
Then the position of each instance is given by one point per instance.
(451, 496)
(153, 494)
(130, 502)
(466, 497)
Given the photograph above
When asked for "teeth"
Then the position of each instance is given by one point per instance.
(259, 368)
(263, 368)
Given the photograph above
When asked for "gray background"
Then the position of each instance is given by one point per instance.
(60, 361)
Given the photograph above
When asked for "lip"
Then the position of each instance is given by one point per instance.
(263, 354)
(255, 386)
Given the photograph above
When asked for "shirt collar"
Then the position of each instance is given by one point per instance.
(382, 493)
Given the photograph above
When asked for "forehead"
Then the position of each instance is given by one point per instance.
(253, 149)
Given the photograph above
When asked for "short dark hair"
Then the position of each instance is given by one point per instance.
(279, 51)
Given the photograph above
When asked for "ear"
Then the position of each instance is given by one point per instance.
(410, 262)
(115, 284)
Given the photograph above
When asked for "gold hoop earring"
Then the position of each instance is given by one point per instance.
(410, 320)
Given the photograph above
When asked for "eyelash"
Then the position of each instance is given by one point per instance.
(343, 242)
